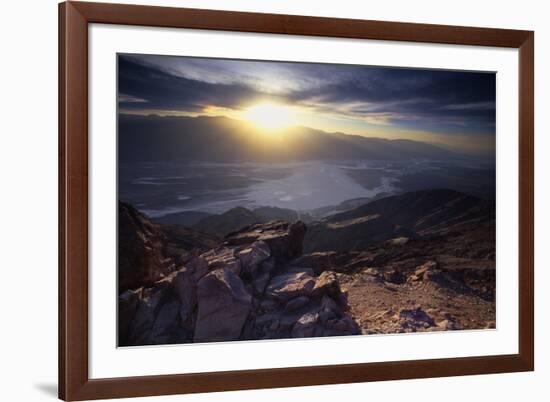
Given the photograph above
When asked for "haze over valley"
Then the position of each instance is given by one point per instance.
(305, 170)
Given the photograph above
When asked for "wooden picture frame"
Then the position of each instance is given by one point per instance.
(74, 381)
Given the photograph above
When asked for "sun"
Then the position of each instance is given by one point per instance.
(271, 116)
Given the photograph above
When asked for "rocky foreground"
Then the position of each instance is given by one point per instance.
(247, 288)
(429, 269)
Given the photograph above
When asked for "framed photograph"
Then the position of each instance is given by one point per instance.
(260, 200)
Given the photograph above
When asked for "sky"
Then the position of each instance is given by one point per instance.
(451, 108)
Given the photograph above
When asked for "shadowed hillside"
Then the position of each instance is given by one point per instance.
(410, 215)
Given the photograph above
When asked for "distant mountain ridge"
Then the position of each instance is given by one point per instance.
(410, 215)
(425, 210)
(170, 138)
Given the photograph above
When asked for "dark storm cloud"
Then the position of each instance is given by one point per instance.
(375, 84)
(405, 95)
(146, 86)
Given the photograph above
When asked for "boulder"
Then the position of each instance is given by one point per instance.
(262, 276)
(296, 234)
(305, 326)
(150, 303)
(329, 309)
(290, 285)
(422, 272)
(297, 303)
(223, 306)
(223, 258)
(185, 291)
(320, 261)
(327, 283)
(165, 326)
(128, 303)
(198, 266)
(284, 240)
(252, 256)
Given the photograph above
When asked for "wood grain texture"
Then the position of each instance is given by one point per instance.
(74, 382)
(527, 201)
(73, 196)
(298, 25)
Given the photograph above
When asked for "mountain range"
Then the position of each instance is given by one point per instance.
(220, 139)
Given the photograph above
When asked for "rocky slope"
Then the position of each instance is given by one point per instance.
(246, 288)
(420, 261)
(445, 282)
(441, 274)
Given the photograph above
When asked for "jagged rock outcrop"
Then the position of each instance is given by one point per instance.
(224, 304)
(284, 240)
(141, 249)
(148, 252)
(247, 288)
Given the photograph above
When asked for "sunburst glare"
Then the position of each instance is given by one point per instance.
(270, 116)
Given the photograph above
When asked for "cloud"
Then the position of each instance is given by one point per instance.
(162, 90)
(407, 98)
(123, 98)
(404, 95)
